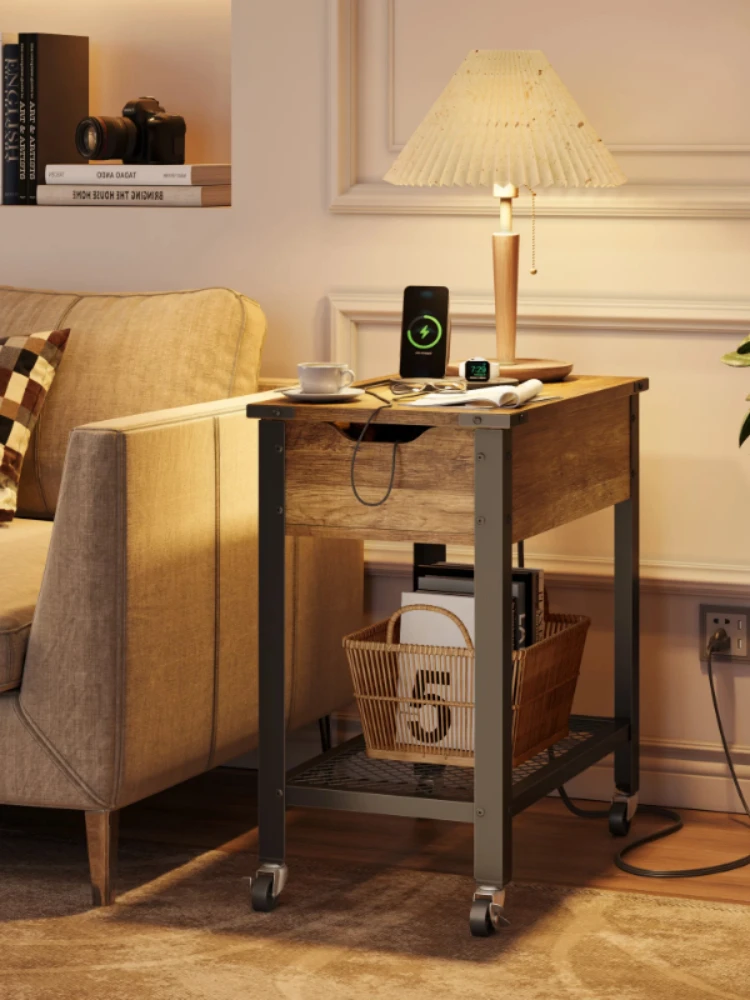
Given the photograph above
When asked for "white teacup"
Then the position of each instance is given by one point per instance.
(317, 377)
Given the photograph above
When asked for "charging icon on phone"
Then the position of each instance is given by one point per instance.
(425, 332)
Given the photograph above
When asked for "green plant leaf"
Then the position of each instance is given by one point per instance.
(744, 347)
(737, 360)
(745, 432)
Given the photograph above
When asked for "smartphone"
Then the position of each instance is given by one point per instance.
(425, 332)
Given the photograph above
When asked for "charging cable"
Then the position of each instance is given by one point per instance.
(387, 403)
(718, 643)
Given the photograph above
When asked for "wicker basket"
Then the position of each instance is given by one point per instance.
(417, 702)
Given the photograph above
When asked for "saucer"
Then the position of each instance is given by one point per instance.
(345, 395)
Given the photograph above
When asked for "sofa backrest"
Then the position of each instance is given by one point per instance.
(129, 354)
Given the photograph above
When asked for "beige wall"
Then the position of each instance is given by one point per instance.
(650, 280)
(174, 50)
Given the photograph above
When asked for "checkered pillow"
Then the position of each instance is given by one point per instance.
(27, 367)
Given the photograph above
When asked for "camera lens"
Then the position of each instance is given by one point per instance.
(106, 138)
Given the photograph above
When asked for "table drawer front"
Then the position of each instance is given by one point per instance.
(562, 470)
(433, 489)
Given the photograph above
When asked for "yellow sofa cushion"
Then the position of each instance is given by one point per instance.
(129, 354)
(23, 554)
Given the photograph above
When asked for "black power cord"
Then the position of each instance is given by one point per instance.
(717, 643)
(387, 403)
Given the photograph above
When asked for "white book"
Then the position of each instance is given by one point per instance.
(92, 195)
(161, 175)
(500, 395)
(420, 719)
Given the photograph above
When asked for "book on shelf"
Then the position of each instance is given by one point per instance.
(10, 98)
(53, 99)
(140, 174)
(424, 628)
(175, 196)
(23, 111)
(527, 605)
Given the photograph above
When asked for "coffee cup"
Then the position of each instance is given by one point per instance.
(320, 378)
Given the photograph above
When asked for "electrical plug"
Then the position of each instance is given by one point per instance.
(719, 642)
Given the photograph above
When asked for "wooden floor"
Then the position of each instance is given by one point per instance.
(550, 845)
(217, 811)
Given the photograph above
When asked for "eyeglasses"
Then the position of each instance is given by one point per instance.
(406, 387)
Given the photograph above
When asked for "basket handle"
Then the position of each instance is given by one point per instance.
(428, 607)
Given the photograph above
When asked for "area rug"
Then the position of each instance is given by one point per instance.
(182, 928)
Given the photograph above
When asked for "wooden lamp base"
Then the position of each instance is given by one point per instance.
(505, 255)
(526, 368)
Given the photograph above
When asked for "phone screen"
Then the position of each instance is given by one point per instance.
(425, 332)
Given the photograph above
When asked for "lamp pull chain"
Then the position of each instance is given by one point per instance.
(533, 232)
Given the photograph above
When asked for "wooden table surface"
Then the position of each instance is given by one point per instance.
(571, 457)
(576, 391)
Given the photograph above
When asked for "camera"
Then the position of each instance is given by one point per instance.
(144, 134)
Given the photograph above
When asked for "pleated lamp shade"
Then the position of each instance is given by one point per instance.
(505, 118)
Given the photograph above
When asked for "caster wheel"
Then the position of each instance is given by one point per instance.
(619, 824)
(481, 921)
(261, 894)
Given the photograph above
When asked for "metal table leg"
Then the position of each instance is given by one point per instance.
(627, 637)
(493, 748)
(271, 875)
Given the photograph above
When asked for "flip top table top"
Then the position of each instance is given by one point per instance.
(577, 391)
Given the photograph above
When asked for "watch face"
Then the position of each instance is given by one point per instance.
(477, 371)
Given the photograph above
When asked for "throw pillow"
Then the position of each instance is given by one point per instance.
(27, 367)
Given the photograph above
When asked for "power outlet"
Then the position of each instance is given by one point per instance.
(734, 621)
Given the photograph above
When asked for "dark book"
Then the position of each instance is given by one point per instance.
(11, 122)
(23, 112)
(534, 579)
(527, 588)
(521, 634)
(57, 99)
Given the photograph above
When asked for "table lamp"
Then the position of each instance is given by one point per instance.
(506, 121)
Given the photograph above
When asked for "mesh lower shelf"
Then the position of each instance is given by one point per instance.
(350, 769)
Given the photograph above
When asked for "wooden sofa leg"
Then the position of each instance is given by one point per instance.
(101, 836)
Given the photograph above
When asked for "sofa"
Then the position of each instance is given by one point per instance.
(128, 580)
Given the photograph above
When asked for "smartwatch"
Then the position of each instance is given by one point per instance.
(479, 370)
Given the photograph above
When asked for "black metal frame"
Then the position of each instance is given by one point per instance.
(339, 779)
(498, 794)
(271, 643)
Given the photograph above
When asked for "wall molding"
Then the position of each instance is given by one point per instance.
(640, 148)
(543, 313)
(636, 201)
(666, 577)
(342, 98)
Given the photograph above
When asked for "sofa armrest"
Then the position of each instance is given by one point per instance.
(141, 665)
(266, 384)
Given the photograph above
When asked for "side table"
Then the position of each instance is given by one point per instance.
(482, 477)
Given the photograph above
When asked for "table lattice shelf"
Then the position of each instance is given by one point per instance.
(346, 778)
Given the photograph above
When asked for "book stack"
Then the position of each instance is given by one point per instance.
(421, 719)
(456, 580)
(197, 185)
(45, 94)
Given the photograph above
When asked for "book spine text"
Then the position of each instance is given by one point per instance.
(113, 174)
(32, 123)
(11, 123)
(63, 194)
(23, 113)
